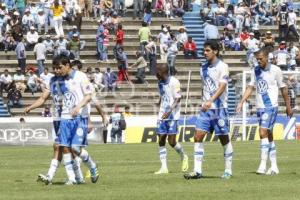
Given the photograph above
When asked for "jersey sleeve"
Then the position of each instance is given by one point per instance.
(252, 80)
(224, 74)
(176, 89)
(86, 85)
(279, 79)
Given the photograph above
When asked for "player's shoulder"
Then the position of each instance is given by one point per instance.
(275, 68)
(79, 75)
(174, 80)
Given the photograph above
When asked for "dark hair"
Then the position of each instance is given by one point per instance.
(144, 24)
(61, 60)
(263, 50)
(127, 107)
(214, 45)
(77, 63)
(120, 27)
(40, 40)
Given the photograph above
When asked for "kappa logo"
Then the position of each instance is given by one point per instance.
(10, 135)
(262, 86)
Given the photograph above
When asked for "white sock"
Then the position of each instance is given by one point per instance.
(264, 151)
(163, 157)
(52, 169)
(179, 149)
(198, 157)
(68, 162)
(228, 153)
(77, 169)
(87, 160)
(272, 155)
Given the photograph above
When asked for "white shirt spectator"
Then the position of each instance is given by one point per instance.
(61, 44)
(49, 44)
(41, 19)
(32, 79)
(6, 79)
(27, 19)
(18, 77)
(182, 37)
(282, 57)
(163, 38)
(98, 78)
(252, 44)
(293, 54)
(40, 51)
(32, 37)
(292, 17)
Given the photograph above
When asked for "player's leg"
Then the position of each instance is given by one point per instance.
(77, 169)
(221, 127)
(203, 126)
(162, 154)
(177, 146)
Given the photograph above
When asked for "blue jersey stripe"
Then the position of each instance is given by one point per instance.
(265, 96)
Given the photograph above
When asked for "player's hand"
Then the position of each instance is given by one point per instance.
(166, 115)
(239, 108)
(206, 106)
(27, 110)
(289, 111)
(75, 111)
(105, 121)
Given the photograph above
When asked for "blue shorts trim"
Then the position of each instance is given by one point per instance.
(213, 120)
(267, 117)
(167, 127)
(56, 125)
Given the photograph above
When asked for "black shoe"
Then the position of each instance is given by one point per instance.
(192, 175)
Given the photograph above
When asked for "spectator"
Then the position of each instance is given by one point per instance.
(49, 44)
(172, 51)
(220, 15)
(105, 44)
(148, 11)
(41, 21)
(144, 36)
(31, 38)
(40, 54)
(76, 65)
(14, 97)
(282, 57)
(9, 42)
(5, 81)
(119, 39)
(100, 40)
(99, 79)
(294, 53)
(181, 38)
(292, 86)
(239, 12)
(141, 65)
(110, 80)
(163, 37)
(74, 47)
(27, 20)
(138, 9)
(190, 49)
(97, 8)
(211, 31)
(127, 112)
(46, 112)
(282, 20)
(32, 82)
(122, 65)
(45, 78)
(116, 131)
(21, 54)
(269, 40)
(20, 5)
(292, 26)
(251, 45)
(152, 52)
(19, 80)
(61, 47)
(168, 9)
(57, 18)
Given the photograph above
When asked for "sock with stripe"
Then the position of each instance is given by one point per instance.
(86, 159)
(228, 153)
(198, 157)
(163, 157)
(264, 151)
(53, 168)
(77, 169)
(68, 162)
(179, 149)
(272, 155)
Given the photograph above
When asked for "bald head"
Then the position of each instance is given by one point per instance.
(162, 71)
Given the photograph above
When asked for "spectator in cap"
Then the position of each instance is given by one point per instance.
(27, 20)
(269, 41)
(60, 47)
(49, 44)
(76, 31)
(282, 57)
(74, 46)
(31, 38)
(181, 38)
(32, 82)
(5, 81)
(40, 54)
(190, 49)
(41, 21)
(251, 44)
(163, 38)
(21, 54)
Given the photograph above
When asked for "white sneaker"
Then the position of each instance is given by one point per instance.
(261, 171)
(69, 182)
(162, 171)
(272, 171)
(185, 163)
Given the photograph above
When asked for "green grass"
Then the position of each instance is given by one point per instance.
(127, 173)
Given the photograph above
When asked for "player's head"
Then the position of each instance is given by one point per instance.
(211, 50)
(61, 65)
(262, 56)
(162, 72)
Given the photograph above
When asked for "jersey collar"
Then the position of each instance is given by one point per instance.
(71, 76)
(266, 68)
(165, 81)
(213, 65)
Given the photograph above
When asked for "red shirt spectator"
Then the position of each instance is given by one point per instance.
(119, 36)
(190, 45)
(244, 35)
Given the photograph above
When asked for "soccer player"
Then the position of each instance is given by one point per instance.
(52, 90)
(169, 113)
(267, 78)
(77, 93)
(213, 116)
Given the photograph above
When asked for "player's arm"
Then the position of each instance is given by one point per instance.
(39, 102)
(87, 98)
(177, 98)
(284, 92)
(246, 95)
(174, 105)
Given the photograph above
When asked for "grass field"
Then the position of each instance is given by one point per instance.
(127, 173)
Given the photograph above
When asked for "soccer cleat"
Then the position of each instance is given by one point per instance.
(226, 175)
(94, 174)
(193, 175)
(261, 171)
(69, 182)
(185, 163)
(162, 171)
(273, 171)
(44, 178)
